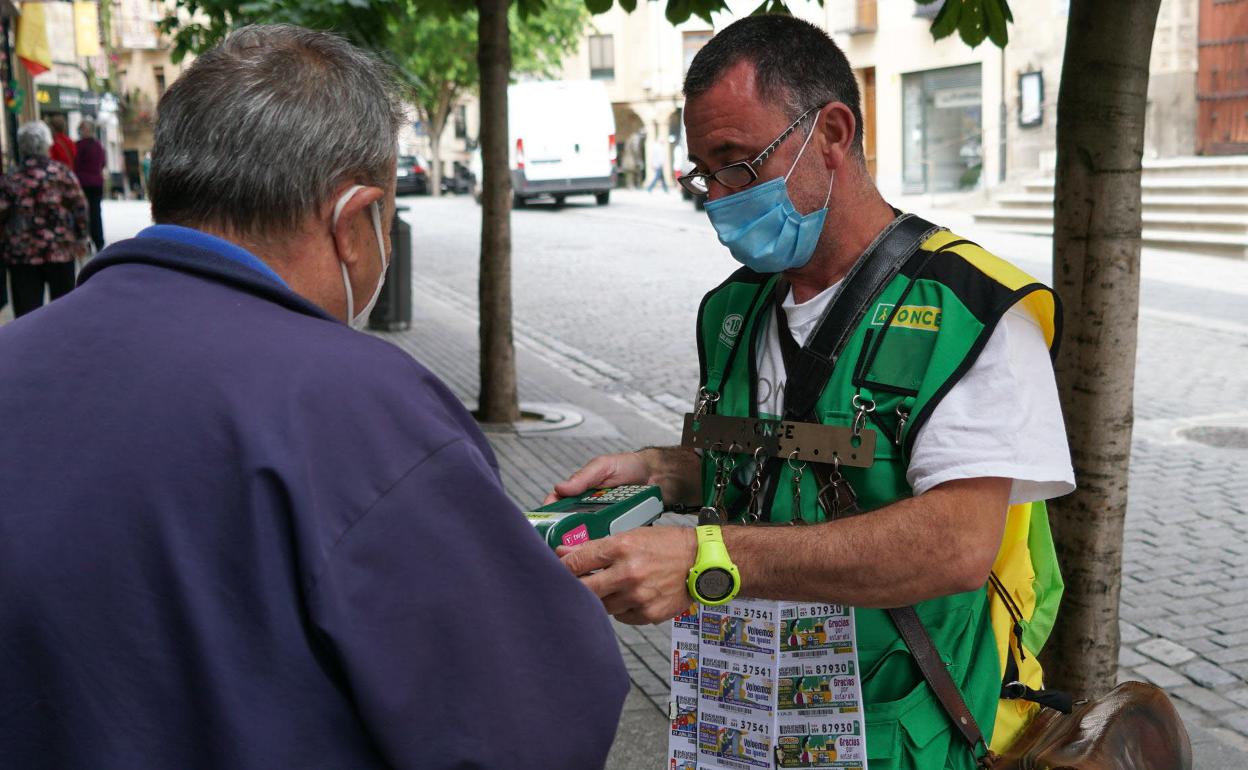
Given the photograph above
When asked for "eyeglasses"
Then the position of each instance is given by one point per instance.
(743, 173)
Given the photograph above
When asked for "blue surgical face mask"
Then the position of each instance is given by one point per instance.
(761, 227)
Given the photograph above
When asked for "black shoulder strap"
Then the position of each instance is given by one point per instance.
(816, 359)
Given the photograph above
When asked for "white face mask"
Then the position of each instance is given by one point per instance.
(358, 321)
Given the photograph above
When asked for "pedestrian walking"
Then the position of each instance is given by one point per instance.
(62, 149)
(659, 178)
(43, 222)
(234, 531)
(145, 170)
(89, 162)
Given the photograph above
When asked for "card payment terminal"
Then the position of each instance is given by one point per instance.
(576, 520)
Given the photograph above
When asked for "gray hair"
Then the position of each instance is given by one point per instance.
(34, 139)
(260, 132)
(86, 127)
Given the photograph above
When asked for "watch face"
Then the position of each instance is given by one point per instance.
(714, 584)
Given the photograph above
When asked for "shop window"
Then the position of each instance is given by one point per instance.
(461, 122)
(942, 129)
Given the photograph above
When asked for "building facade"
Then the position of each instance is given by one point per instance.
(143, 66)
(939, 116)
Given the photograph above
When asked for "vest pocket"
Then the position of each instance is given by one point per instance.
(907, 729)
(913, 733)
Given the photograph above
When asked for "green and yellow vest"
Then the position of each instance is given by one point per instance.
(918, 337)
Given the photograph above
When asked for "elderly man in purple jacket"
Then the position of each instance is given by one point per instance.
(236, 533)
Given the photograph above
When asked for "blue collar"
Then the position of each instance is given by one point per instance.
(202, 240)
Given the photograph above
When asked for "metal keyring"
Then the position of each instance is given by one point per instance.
(792, 457)
(704, 402)
(858, 404)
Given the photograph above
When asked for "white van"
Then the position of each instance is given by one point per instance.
(562, 140)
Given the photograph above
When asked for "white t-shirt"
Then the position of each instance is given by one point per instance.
(1001, 419)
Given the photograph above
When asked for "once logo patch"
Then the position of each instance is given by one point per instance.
(730, 329)
(922, 317)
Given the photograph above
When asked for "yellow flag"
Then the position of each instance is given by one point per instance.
(32, 39)
(86, 28)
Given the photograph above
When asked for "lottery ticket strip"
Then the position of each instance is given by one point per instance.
(1214, 707)
(765, 684)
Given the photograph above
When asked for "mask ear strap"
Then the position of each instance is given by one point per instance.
(809, 136)
(342, 203)
(381, 245)
(346, 278)
(828, 199)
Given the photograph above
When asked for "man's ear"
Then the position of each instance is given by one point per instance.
(837, 125)
(355, 222)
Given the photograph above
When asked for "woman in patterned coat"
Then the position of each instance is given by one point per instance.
(43, 222)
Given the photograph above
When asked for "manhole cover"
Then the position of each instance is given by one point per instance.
(1220, 436)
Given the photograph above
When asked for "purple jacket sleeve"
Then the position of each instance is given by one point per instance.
(464, 642)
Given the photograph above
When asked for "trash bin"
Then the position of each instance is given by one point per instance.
(393, 311)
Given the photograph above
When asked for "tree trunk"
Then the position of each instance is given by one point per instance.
(1096, 257)
(435, 120)
(498, 400)
(435, 161)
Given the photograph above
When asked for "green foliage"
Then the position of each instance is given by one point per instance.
(432, 43)
(679, 11)
(197, 25)
(438, 53)
(373, 22)
(973, 20)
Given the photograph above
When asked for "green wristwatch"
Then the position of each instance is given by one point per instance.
(713, 579)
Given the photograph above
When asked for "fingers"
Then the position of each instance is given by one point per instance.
(595, 473)
(639, 575)
(636, 618)
(643, 615)
(602, 471)
(586, 558)
(579, 481)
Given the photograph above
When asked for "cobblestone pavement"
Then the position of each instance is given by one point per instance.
(605, 302)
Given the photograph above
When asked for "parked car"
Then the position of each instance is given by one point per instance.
(413, 176)
(563, 140)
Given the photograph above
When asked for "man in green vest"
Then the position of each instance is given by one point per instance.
(942, 376)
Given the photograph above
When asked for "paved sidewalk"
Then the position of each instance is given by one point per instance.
(443, 337)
